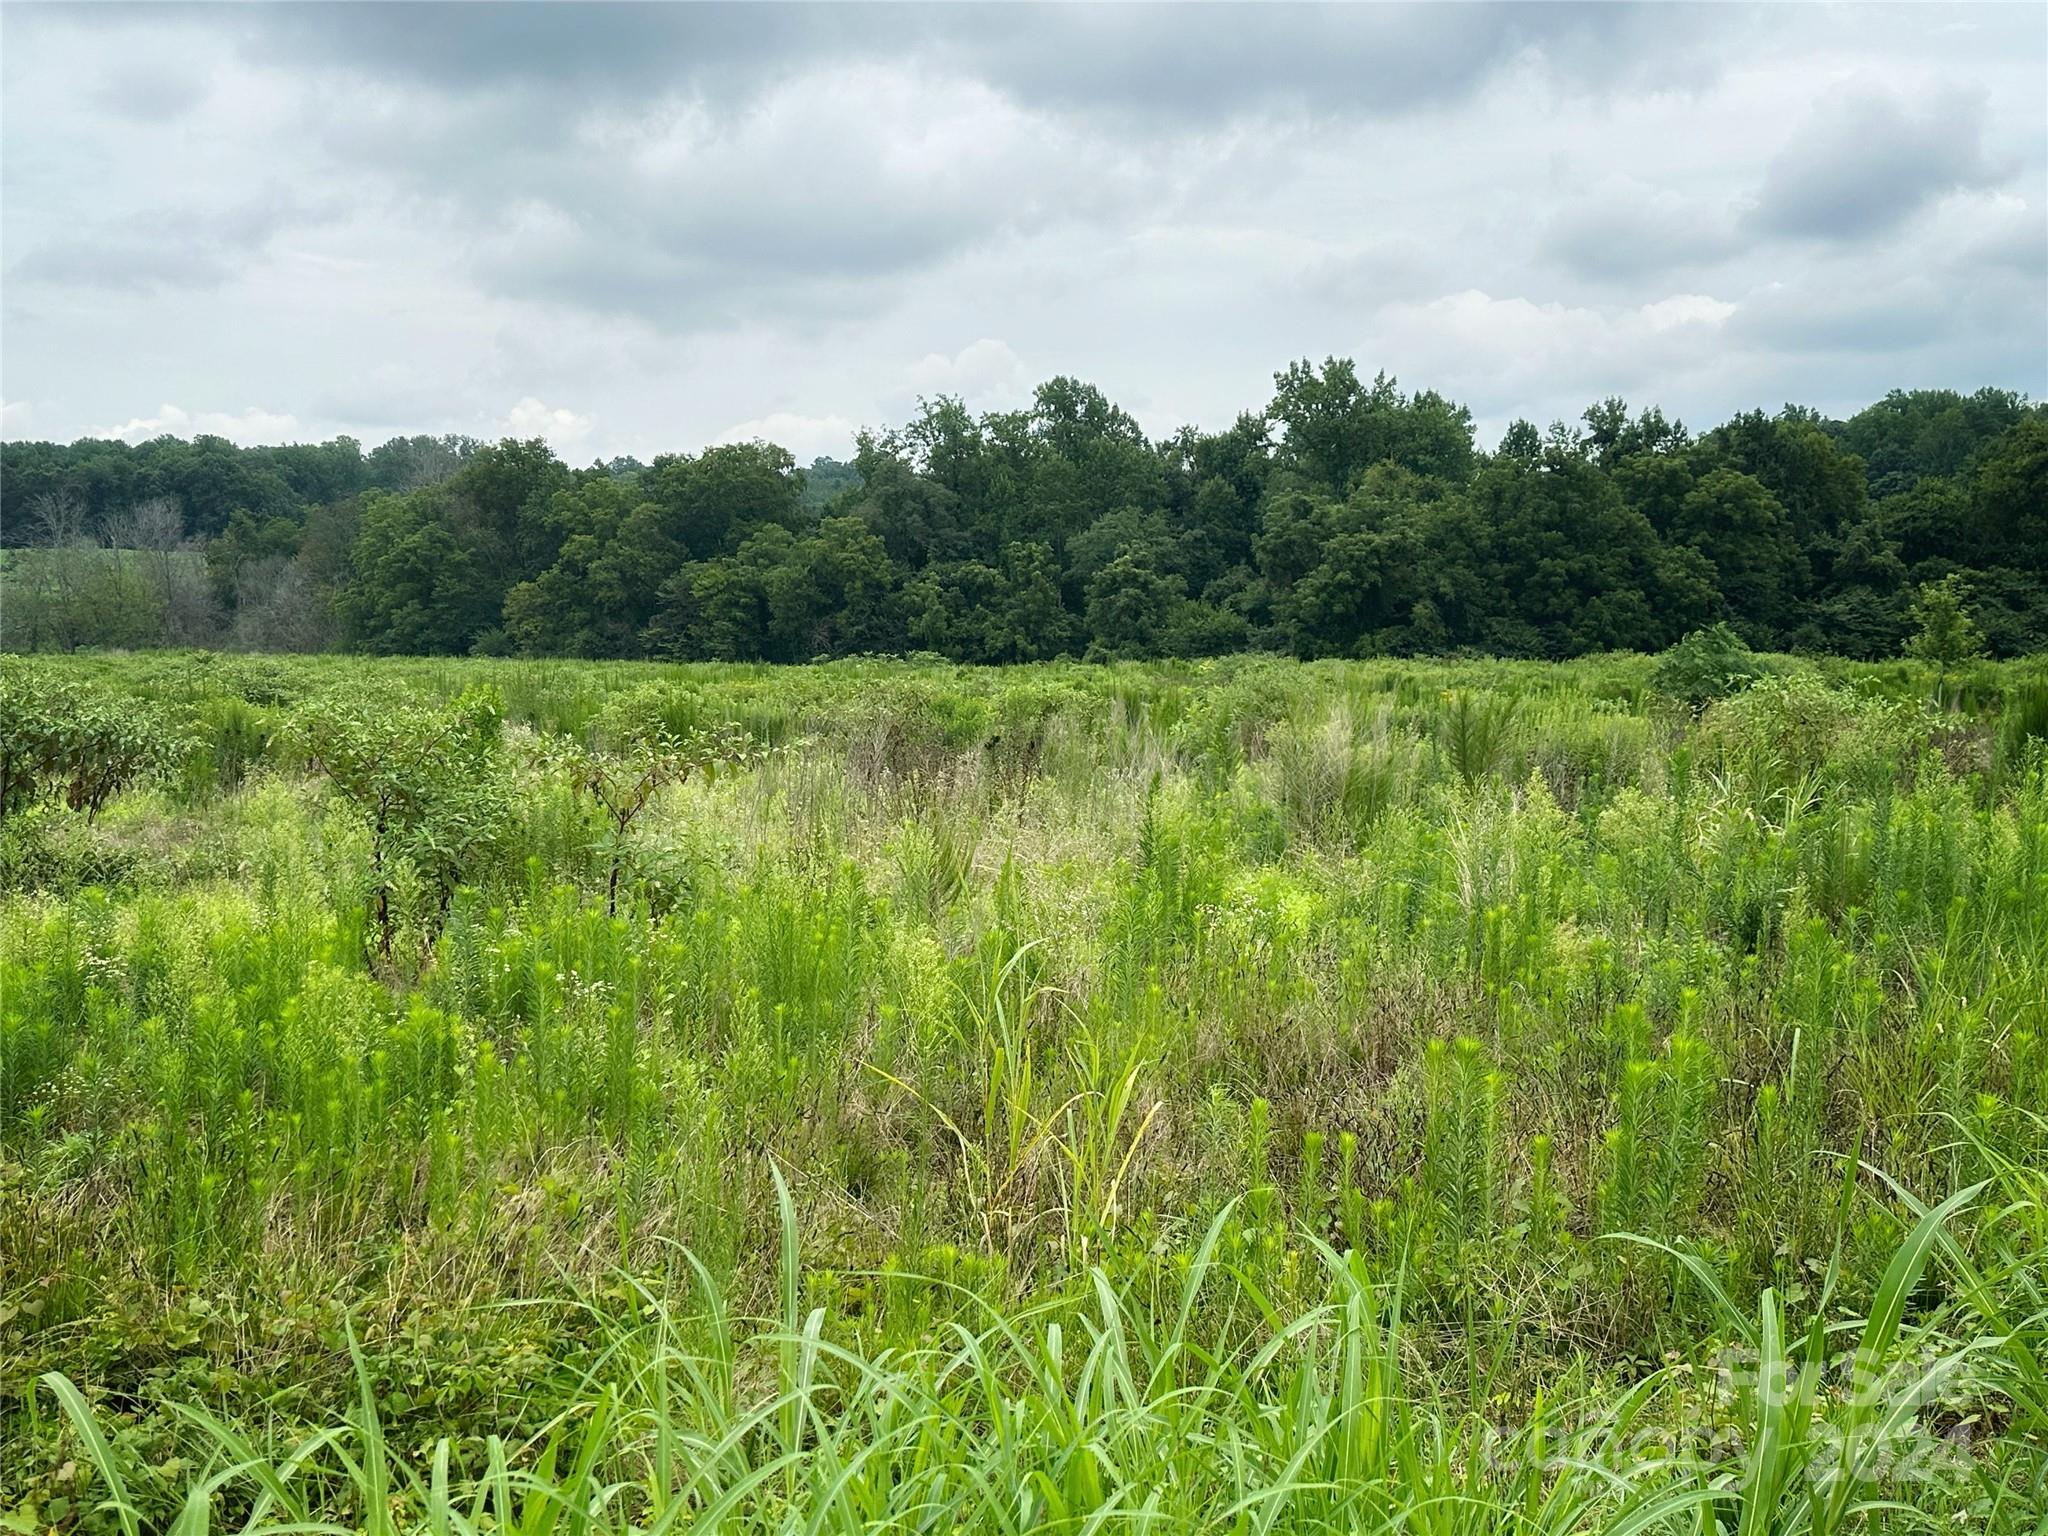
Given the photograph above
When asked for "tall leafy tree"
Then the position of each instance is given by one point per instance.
(418, 588)
(713, 502)
(1582, 571)
(1338, 427)
(2010, 494)
(1026, 619)
(1345, 517)
(1819, 483)
(835, 593)
(1740, 529)
(1132, 606)
(1913, 435)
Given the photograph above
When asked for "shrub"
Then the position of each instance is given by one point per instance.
(74, 741)
(1779, 731)
(651, 713)
(44, 849)
(620, 785)
(429, 782)
(1707, 664)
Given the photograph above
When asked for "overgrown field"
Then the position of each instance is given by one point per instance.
(1240, 1096)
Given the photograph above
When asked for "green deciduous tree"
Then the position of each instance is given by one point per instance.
(1132, 604)
(1347, 516)
(1946, 635)
(1737, 525)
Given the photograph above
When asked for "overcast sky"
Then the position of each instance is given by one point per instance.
(647, 228)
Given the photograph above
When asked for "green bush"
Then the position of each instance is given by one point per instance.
(430, 784)
(1707, 664)
(46, 848)
(73, 741)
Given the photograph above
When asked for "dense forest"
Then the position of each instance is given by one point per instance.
(1345, 518)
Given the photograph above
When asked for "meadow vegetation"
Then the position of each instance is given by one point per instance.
(1239, 1096)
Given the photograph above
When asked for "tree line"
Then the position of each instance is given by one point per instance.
(1346, 517)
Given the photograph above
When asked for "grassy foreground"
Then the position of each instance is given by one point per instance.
(1237, 1097)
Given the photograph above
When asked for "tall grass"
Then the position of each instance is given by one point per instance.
(1208, 1097)
(1183, 1404)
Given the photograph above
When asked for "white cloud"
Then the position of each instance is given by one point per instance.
(1508, 331)
(986, 374)
(253, 425)
(806, 437)
(1513, 356)
(1685, 309)
(14, 418)
(564, 430)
